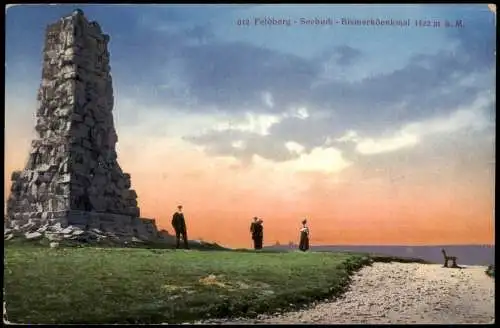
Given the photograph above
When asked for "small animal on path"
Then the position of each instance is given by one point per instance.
(449, 258)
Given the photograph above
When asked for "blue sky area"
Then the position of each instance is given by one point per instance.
(197, 59)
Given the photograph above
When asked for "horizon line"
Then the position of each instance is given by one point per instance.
(393, 245)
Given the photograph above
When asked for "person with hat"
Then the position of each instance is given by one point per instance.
(259, 234)
(304, 236)
(253, 230)
(179, 225)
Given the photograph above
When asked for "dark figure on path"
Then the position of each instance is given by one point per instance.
(304, 237)
(253, 229)
(179, 225)
(259, 234)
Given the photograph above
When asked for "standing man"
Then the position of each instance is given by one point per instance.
(253, 231)
(179, 225)
(259, 234)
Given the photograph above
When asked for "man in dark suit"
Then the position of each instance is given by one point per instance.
(179, 225)
(253, 231)
(259, 234)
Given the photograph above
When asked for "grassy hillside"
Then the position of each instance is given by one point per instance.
(133, 285)
(168, 243)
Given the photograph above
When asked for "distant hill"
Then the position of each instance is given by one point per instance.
(467, 254)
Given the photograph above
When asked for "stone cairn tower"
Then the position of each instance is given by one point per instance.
(72, 186)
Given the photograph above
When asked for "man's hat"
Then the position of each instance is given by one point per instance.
(179, 206)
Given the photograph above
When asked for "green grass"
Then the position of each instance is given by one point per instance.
(132, 285)
(491, 271)
(205, 246)
(389, 258)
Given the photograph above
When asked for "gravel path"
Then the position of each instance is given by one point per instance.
(403, 293)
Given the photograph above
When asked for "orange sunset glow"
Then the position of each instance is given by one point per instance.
(249, 122)
(221, 196)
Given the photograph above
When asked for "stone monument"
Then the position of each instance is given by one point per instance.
(72, 186)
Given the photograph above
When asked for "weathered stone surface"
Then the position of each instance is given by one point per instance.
(72, 183)
(33, 235)
(78, 232)
(53, 236)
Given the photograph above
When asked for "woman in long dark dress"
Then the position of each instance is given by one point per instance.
(304, 237)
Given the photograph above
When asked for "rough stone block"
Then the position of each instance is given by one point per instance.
(33, 235)
(15, 175)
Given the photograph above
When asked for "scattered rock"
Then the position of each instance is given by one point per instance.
(33, 235)
(56, 227)
(78, 232)
(28, 226)
(53, 237)
(42, 229)
(67, 230)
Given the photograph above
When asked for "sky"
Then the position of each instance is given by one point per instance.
(376, 134)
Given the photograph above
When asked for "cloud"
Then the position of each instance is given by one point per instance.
(294, 147)
(258, 139)
(253, 123)
(245, 135)
(470, 118)
(349, 136)
(321, 159)
(214, 74)
(222, 143)
(300, 113)
(236, 98)
(474, 118)
(371, 146)
(343, 55)
(314, 130)
(238, 144)
(230, 77)
(256, 123)
(267, 98)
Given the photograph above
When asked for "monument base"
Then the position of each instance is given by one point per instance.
(79, 225)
